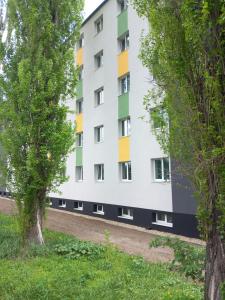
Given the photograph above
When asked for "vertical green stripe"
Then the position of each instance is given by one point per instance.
(123, 106)
(79, 156)
(122, 23)
(79, 92)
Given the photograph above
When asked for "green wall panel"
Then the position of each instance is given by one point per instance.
(79, 92)
(79, 156)
(122, 23)
(123, 106)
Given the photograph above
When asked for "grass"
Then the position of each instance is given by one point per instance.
(95, 272)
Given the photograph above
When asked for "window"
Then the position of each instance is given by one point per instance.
(79, 173)
(80, 74)
(99, 59)
(122, 5)
(80, 43)
(125, 212)
(159, 117)
(99, 134)
(161, 169)
(164, 219)
(99, 96)
(124, 127)
(124, 42)
(125, 171)
(99, 172)
(78, 205)
(99, 25)
(62, 203)
(79, 106)
(79, 139)
(98, 209)
(125, 84)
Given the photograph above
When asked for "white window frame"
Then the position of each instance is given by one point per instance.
(126, 40)
(80, 43)
(63, 205)
(99, 60)
(99, 96)
(128, 165)
(163, 170)
(99, 132)
(99, 168)
(163, 114)
(128, 215)
(125, 82)
(80, 73)
(99, 25)
(125, 5)
(80, 205)
(79, 171)
(162, 223)
(79, 139)
(99, 211)
(79, 106)
(124, 127)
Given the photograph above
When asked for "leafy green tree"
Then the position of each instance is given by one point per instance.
(185, 52)
(38, 78)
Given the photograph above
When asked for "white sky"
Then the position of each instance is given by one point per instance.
(90, 6)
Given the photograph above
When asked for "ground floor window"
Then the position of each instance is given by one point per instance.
(78, 205)
(62, 203)
(124, 212)
(164, 219)
(98, 209)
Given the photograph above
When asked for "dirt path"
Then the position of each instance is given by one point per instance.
(128, 238)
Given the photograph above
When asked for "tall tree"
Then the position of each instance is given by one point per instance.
(185, 52)
(37, 80)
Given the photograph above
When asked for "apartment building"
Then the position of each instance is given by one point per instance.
(118, 170)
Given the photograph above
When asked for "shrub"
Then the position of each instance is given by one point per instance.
(77, 249)
(188, 259)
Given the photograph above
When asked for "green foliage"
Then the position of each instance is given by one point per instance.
(37, 80)
(74, 250)
(188, 259)
(43, 274)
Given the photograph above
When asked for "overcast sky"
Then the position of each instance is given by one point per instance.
(90, 6)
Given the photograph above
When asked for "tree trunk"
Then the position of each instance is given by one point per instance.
(215, 266)
(34, 232)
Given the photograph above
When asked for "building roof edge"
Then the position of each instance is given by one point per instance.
(94, 12)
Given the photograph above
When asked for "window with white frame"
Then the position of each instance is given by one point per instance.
(62, 203)
(80, 74)
(124, 127)
(124, 42)
(125, 171)
(78, 205)
(123, 4)
(159, 117)
(79, 173)
(98, 209)
(161, 218)
(79, 139)
(99, 172)
(80, 43)
(124, 212)
(99, 96)
(161, 169)
(125, 84)
(79, 106)
(99, 60)
(99, 134)
(99, 25)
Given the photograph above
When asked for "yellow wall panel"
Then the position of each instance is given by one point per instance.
(79, 57)
(79, 123)
(123, 63)
(124, 148)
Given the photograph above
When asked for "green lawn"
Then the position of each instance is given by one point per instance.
(87, 272)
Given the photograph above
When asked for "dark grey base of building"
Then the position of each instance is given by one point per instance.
(183, 224)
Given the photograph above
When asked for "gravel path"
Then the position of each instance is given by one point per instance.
(131, 239)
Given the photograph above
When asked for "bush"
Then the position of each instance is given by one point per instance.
(77, 249)
(188, 259)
